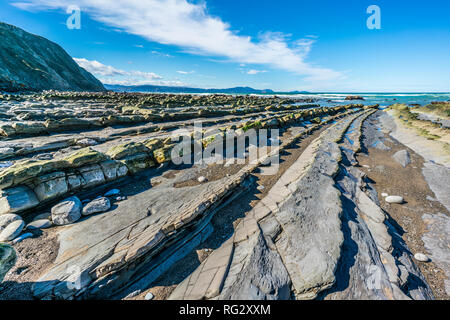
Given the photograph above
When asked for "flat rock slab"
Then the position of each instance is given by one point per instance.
(438, 178)
(437, 242)
(430, 150)
(261, 276)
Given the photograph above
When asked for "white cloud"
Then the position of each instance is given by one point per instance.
(252, 71)
(185, 72)
(189, 26)
(161, 54)
(133, 82)
(111, 75)
(99, 69)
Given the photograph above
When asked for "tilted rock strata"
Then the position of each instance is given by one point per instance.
(30, 62)
(312, 238)
(126, 241)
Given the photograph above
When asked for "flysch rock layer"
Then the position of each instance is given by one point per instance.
(311, 236)
(277, 224)
(138, 240)
(376, 263)
(54, 178)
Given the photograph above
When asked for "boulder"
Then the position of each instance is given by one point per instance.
(67, 212)
(12, 230)
(402, 157)
(17, 199)
(96, 206)
(6, 219)
(39, 224)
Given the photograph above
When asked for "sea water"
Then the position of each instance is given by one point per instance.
(383, 99)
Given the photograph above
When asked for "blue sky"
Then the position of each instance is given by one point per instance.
(319, 46)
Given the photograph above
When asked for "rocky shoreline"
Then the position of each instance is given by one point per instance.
(93, 172)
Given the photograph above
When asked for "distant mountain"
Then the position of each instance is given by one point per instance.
(170, 89)
(33, 63)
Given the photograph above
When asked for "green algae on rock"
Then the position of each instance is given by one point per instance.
(8, 259)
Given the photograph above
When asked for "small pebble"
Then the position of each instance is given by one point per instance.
(163, 165)
(384, 194)
(260, 188)
(394, 199)
(202, 179)
(149, 296)
(421, 257)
